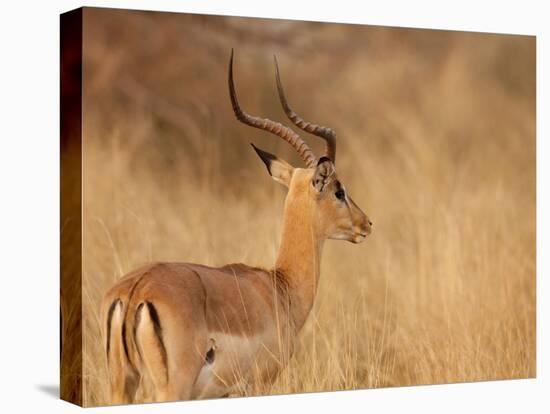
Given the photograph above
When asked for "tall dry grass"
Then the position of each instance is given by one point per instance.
(436, 143)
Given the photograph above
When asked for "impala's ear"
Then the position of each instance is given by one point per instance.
(323, 173)
(280, 170)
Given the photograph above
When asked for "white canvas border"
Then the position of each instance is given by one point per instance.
(29, 187)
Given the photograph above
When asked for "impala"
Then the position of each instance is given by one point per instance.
(193, 331)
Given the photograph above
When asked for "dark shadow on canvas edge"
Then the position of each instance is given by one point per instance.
(51, 390)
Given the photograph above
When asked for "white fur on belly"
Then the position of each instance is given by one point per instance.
(234, 356)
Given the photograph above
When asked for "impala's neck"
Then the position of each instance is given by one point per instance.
(299, 257)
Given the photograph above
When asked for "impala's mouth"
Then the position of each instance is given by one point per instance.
(359, 237)
(362, 234)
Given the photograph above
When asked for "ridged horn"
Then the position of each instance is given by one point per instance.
(268, 125)
(323, 132)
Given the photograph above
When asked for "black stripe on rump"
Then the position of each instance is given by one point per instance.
(130, 295)
(124, 343)
(158, 332)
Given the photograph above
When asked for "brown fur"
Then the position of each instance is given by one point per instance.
(203, 310)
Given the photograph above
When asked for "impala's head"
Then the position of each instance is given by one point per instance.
(316, 189)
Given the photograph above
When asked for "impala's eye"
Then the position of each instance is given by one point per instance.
(340, 194)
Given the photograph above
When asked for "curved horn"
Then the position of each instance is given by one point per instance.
(323, 132)
(268, 125)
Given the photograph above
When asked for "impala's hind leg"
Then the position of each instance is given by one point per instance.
(169, 352)
(122, 377)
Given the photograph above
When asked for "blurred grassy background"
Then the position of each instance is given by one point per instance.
(436, 142)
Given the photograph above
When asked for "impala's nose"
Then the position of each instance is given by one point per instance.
(368, 226)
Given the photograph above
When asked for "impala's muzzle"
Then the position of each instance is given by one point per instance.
(362, 230)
